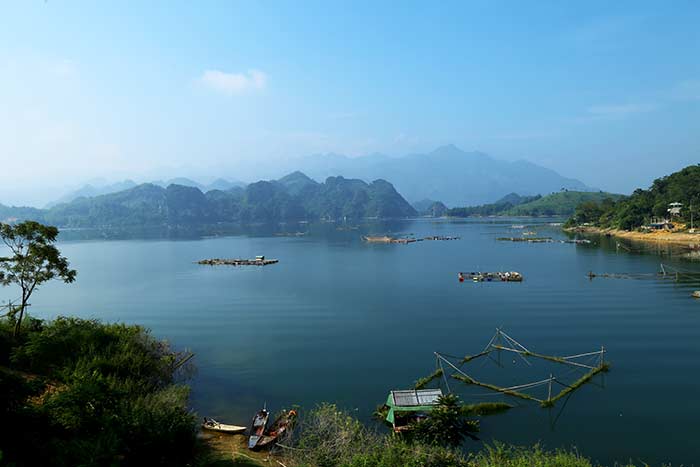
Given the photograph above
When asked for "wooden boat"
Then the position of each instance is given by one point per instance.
(377, 239)
(696, 294)
(213, 425)
(283, 424)
(257, 428)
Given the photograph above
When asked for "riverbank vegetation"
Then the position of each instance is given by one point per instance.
(642, 206)
(330, 437)
(79, 392)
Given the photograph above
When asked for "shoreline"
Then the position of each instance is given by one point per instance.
(677, 238)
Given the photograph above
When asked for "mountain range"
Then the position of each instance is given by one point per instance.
(99, 187)
(294, 197)
(448, 174)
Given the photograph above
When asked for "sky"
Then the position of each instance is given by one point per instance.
(606, 92)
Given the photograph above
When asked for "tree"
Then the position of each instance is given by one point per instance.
(446, 424)
(34, 260)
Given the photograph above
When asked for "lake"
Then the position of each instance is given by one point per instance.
(344, 321)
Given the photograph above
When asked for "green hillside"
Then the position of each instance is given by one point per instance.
(556, 204)
(492, 209)
(563, 203)
(643, 205)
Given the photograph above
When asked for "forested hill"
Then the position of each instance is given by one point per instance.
(561, 203)
(639, 208)
(292, 198)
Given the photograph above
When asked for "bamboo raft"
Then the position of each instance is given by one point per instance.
(526, 239)
(258, 261)
(501, 276)
(406, 240)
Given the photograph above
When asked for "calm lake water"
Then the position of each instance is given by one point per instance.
(343, 321)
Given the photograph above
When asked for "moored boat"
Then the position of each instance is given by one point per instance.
(257, 428)
(696, 294)
(213, 425)
(282, 425)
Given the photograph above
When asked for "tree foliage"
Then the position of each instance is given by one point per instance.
(562, 203)
(33, 260)
(643, 205)
(79, 392)
(446, 425)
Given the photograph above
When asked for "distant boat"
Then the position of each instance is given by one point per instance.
(696, 294)
(517, 226)
(213, 425)
(282, 425)
(257, 428)
(378, 239)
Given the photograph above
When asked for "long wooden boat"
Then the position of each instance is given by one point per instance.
(257, 428)
(283, 424)
(213, 425)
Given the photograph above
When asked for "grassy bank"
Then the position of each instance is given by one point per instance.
(330, 437)
(79, 392)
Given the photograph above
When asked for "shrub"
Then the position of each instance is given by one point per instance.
(103, 394)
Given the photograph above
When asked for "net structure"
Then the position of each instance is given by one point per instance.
(451, 368)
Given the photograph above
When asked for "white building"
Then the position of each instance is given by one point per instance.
(674, 209)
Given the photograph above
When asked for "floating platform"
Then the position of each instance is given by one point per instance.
(526, 239)
(577, 241)
(501, 276)
(405, 240)
(441, 238)
(258, 261)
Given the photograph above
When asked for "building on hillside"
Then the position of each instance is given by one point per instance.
(659, 224)
(674, 209)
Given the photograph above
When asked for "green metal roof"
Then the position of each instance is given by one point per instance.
(414, 400)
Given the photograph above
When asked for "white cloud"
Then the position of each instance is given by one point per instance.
(234, 83)
(618, 110)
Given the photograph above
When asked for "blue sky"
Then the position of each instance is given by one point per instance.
(607, 92)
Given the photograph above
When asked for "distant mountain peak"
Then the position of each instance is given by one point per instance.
(448, 173)
(296, 175)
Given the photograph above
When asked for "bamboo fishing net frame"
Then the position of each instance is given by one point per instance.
(503, 342)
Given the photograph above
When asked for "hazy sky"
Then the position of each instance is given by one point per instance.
(607, 92)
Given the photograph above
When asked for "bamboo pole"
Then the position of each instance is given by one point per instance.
(545, 357)
(577, 384)
(521, 395)
(423, 382)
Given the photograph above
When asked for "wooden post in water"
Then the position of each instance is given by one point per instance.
(549, 393)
